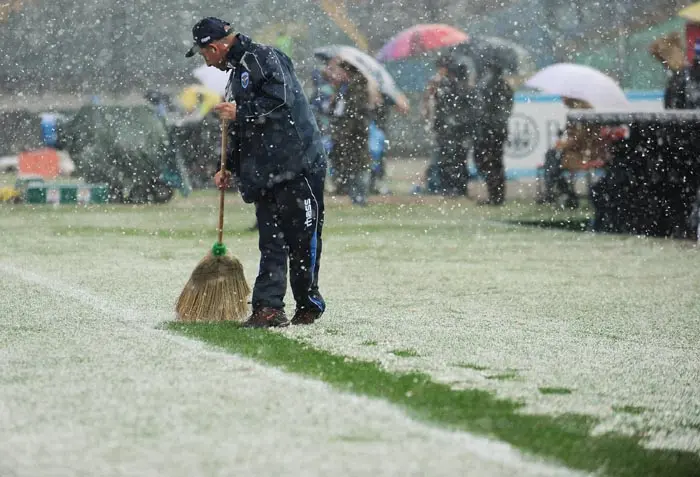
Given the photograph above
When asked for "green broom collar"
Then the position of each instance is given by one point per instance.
(218, 250)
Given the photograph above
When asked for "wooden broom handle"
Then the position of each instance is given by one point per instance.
(222, 192)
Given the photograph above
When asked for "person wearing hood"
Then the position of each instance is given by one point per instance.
(277, 160)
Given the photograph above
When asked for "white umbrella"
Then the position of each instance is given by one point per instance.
(369, 67)
(580, 82)
(212, 78)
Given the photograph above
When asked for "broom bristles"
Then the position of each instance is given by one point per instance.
(216, 291)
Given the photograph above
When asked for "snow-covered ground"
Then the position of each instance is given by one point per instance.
(89, 385)
(613, 320)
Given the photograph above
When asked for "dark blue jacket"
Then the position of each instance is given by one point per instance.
(275, 136)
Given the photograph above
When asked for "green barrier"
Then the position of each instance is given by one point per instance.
(35, 195)
(46, 193)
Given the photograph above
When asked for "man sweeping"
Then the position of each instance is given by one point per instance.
(277, 159)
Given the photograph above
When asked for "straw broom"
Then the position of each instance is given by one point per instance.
(217, 289)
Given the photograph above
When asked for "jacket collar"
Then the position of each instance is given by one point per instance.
(236, 52)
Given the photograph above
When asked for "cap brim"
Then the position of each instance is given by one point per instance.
(192, 51)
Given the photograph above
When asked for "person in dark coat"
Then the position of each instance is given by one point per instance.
(278, 162)
(495, 104)
(674, 92)
(691, 90)
(682, 89)
(452, 127)
(668, 50)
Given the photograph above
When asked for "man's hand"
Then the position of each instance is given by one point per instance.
(222, 180)
(226, 110)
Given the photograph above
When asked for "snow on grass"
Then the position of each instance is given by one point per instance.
(613, 319)
(616, 320)
(567, 438)
(89, 386)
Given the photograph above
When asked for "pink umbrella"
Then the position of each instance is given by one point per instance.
(420, 39)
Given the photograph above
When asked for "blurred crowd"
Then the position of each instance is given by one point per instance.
(467, 111)
(580, 148)
(466, 106)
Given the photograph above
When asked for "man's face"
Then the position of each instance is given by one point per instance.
(214, 55)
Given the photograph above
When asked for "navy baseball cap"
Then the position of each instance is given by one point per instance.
(206, 31)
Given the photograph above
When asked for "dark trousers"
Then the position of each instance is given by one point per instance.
(290, 222)
(451, 159)
(488, 158)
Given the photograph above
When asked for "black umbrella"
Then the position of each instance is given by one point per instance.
(484, 51)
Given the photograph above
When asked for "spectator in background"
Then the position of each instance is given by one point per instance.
(377, 147)
(351, 109)
(581, 144)
(669, 51)
(464, 129)
(449, 101)
(554, 181)
(579, 148)
(495, 104)
(683, 84)
(427, 106)
(427, 111)
(692, 81)
(378, 137)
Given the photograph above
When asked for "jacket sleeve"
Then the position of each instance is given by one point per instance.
(272, 78)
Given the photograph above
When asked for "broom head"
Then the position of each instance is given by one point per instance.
(216, 291)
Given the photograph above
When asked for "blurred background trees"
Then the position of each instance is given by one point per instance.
(99, 46)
